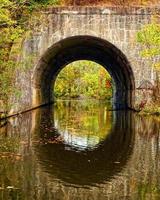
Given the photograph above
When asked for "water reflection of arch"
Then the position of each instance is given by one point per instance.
(89, 167)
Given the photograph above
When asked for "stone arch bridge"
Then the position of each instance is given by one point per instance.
(106, 35)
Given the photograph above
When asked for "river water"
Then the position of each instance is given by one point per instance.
(80, 150)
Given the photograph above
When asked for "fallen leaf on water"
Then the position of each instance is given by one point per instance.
(18, 157)
(10, 155)
(10, 187)
(24, 142)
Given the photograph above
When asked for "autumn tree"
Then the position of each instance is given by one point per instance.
(106, 2)
(149, 39)
(83, 79)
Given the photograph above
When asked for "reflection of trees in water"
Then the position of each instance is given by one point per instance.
(15, 151)
(137, 177)
(81, 120)
(11, 135)
(146, 157)
(148, 126)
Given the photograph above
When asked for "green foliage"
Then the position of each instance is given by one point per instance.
(48, 2)
(14, 17)
(149, 38)
(84, 79)
(35, 4)
(10, 31)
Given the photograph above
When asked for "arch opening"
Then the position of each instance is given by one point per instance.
(82, 80)
(84, 48)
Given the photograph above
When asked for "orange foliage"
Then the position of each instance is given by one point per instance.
(108, 2)
(108, 84)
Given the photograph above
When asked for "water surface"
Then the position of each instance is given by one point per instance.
(80, 150)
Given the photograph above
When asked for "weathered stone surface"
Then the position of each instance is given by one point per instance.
(105, 35)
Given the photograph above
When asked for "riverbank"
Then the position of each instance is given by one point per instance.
(151, 110)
